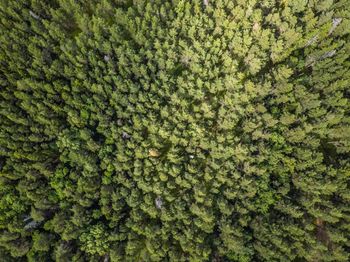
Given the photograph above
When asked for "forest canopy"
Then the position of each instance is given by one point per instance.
(173, 130)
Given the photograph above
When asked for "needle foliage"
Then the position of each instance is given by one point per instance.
(174, 130)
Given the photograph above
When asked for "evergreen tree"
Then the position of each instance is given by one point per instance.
(174, 130)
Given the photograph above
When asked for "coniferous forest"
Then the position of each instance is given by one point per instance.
(174, 130)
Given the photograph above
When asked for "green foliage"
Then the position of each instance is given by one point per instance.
(174, 130)
(95, 240)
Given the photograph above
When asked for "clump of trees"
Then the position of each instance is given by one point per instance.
(174, 130)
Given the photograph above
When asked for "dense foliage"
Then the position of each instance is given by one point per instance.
(174, 130)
